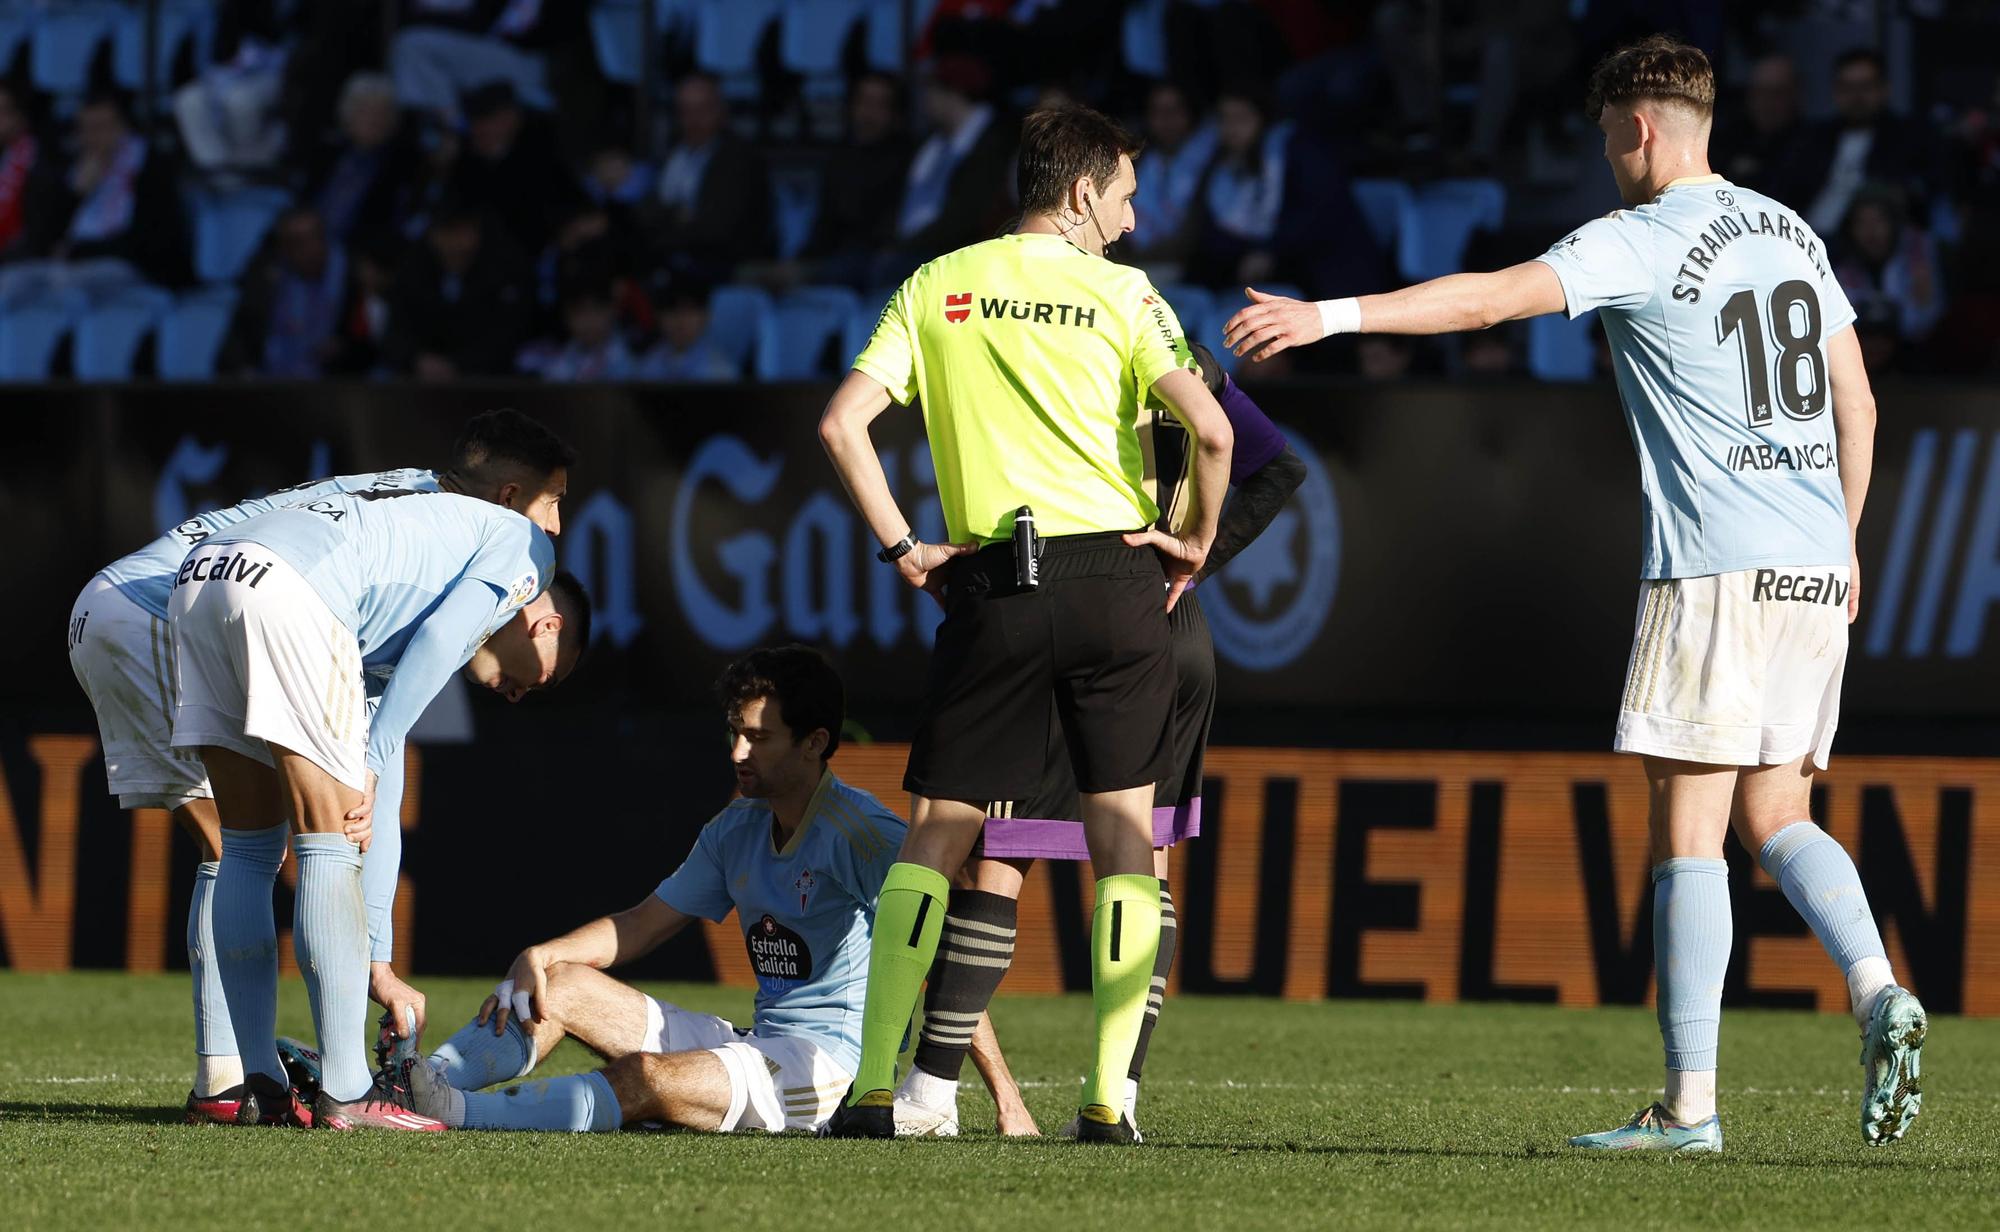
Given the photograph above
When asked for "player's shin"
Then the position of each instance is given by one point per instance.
(1163, 964)
(217, 1065)
(577, 1103)
(246, 943)
(1691, 939)
(974, 952)
(330, 933)
(909, 916)
(1124, 944)
(1820, 881)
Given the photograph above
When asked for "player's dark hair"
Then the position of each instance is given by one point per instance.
(507, 437)
(1660, 68)
(1861, 55)
(805, 685)
(573, 605)
(1059, 146)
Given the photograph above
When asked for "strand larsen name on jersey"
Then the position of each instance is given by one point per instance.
(1732, 225)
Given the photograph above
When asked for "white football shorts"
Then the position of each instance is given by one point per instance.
(263, 661)
(776, 1082)
(1737, 669)
(123, 656)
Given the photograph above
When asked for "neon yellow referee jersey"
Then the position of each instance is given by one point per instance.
(1032, 359)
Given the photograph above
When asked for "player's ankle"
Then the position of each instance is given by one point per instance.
(928, 1089)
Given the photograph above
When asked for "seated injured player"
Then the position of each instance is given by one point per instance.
(799, 857)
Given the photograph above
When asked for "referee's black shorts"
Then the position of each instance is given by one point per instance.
(1092, 639)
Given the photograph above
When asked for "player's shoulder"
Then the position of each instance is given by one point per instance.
(737, 816)
(856, 819)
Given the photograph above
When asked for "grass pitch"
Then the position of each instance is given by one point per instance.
(1258, 1114)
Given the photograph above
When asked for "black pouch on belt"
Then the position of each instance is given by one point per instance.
(1027, 550)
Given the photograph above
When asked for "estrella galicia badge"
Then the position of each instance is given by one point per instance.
(524, 588)
(957, 307)
(804, 884)
(778, 953)
(1269, 604)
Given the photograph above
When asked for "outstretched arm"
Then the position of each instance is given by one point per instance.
(1274, 323)
(604, 942)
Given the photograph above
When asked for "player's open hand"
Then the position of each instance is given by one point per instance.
(405, 1004)
(919, 566)
(359, 824)
(523, 994)
(1182, 558)
(1272, 323)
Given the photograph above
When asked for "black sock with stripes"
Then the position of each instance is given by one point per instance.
(1169, 934)
(973, 956)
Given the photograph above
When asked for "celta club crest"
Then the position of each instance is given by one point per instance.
(804, 885)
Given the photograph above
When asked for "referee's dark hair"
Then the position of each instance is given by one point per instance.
(805, 685)
(506, 437)
(1060, 145)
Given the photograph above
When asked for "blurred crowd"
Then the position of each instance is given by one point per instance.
(464, 188)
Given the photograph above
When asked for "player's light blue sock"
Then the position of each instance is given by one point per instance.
(382, 862)
(1820, 881)
(213, 1036)
(475, 1057)
(246, 943)
(579, 1103)
(330, 933)
(1691, 936)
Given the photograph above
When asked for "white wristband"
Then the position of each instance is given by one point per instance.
(1340, 316)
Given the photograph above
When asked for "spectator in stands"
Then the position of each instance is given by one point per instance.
(1752, 144)
(445, 49)
(294, 304)
(229, 117)
(866, 170)
(439, 148)
(1241, 194)
(1179, 148)
(595, 350)
(711, 207)
(122, 221)
(462, 304)
(510, 165)
(1864, 143)
(366, 184)
(685, 351)
(1889, 267)
(30, 189)
(615, 177)
(955, 192)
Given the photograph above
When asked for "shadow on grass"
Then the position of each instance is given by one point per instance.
(1539, 1154)
(20, 1111)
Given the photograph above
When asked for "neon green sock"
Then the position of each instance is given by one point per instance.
(1124, 941)
(909, 916)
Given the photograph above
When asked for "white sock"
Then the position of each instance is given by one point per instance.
(214, 1075)
(1690, 1097)
(1132, 1099)
(1866, 980)
(928, 1089)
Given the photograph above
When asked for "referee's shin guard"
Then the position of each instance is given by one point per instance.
(1124, 942)
(909, 915)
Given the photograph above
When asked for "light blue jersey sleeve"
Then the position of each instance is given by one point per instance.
(874, 837)
(439, 647)
(699, 887)
(1606, 263)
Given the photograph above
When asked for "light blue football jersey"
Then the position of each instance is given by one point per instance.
(383, 558)
(147, 576)
(806, 910)
(1718, 303)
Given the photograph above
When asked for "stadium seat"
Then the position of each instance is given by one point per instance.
(795, 201)
(1440, 222)
(64, 41)
(727, 32)
(861, 322)
(180, 21)
(617, 31)
(736, 315)
(1383, 205)
(1560, 349)
(191, 334)
(796, 333)
(885, 33)
(17, 23)
(108, 336)
(229, 227)
(813, 33)
(29, 335)
(1143, 38)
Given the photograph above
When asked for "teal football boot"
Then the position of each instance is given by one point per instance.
(1653, 1130)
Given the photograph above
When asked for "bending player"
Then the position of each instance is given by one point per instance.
(977, 946)
(1730, 341)
(275, 621)
(800, 858)
(122, 655)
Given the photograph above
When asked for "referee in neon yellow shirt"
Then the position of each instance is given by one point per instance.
(1033, 356)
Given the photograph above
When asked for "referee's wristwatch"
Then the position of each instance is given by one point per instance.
(897, 550)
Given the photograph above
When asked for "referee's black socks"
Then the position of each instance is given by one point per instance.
(1169, 934)
(972, 958)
